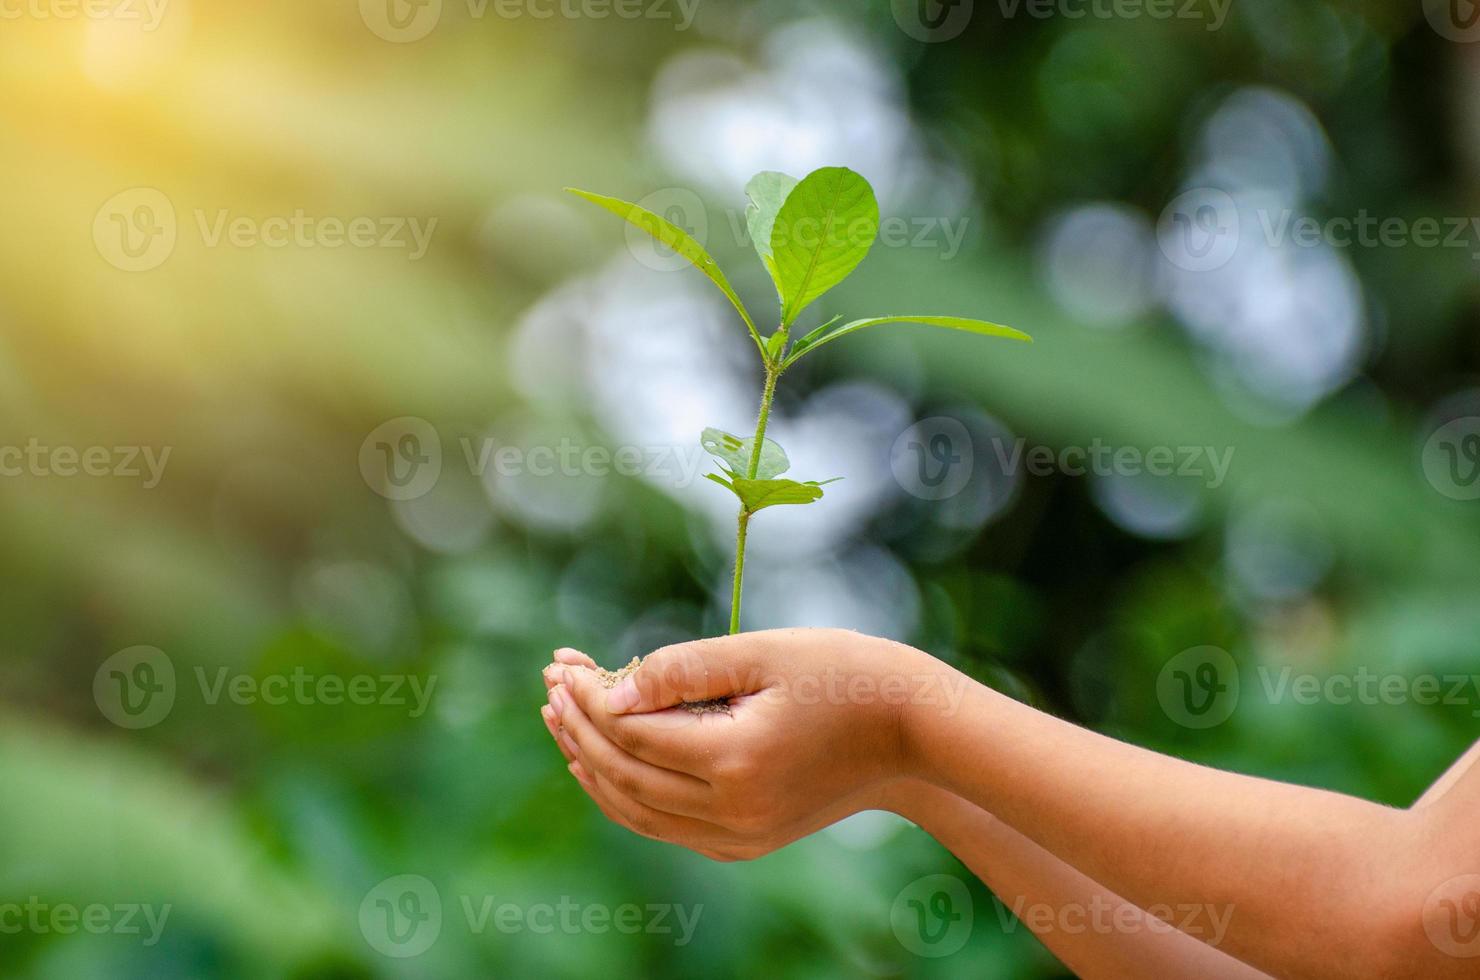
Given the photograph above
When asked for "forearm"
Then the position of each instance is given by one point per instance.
(1093, 931)
(1318, 883)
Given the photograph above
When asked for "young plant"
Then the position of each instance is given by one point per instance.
(810, 234)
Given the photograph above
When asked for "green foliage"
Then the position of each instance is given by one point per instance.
(767, 191)
(677, 239)
(734, 453)
(810, 234)
(824, 229)
(819, 337)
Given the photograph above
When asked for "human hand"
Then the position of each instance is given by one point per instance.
(813, 735)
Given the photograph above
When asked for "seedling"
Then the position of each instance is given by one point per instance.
(810, 234)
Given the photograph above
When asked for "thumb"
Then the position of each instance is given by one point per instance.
(700, 670)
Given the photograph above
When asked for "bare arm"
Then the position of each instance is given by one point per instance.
(1320, 884)
(1093, 931)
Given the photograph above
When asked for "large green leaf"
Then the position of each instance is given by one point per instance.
(680, 241)
(823, 230)
(735, 452)
(983, 327)
(766, 192)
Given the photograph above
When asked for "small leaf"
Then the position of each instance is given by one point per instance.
(823, 230)
(735, 452)
(766, 191)
(759, 494)
(774, 344)
(680, 241)
(983, 327)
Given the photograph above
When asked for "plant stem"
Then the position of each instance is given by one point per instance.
(773, 371)
(739, 571)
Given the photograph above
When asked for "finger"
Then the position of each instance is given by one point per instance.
(674, 739)
(720, 851)
(547, 714)
(699, 670)
(572, 657)
(646, 821)
(661, 789)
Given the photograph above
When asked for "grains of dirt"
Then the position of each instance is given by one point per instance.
(610, 678)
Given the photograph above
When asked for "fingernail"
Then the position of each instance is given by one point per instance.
(557, 701)
(570, 743)
(565, 676)
(623, 697)
(548, 713)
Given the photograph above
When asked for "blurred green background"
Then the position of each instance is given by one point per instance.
(209, 252)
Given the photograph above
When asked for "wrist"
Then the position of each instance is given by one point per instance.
(929, 722)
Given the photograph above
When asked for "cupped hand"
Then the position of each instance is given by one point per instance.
(813, 734)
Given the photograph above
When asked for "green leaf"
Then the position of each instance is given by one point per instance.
(734, 452)
(766, 191)
(983, 327)
(823, 230)
(774, 344)
(759, 494)
(680, 241)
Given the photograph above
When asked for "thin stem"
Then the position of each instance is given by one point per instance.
(767, 393)
(773, 371)
(739, 571)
